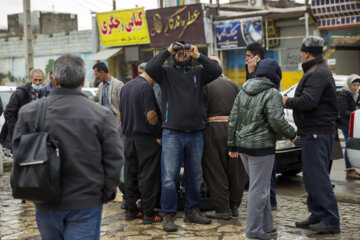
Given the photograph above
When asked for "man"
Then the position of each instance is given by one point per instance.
(225, 176)
(256, 121)
(182, 139)
(22, 95)
(156, 87)
(46, 90)
(90, 152)
(315, 112)
(254, 54)
(108, 94)
(141, 122)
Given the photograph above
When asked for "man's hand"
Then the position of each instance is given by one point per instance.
(193, 52)
(234, 154)
(284, 100)
(159, 141)
(294, 139)
(252, 63)
(171, 50)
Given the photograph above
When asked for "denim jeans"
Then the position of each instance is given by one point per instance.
(347, 163)
(69, 224)
(179, 147)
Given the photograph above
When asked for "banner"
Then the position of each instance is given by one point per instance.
(238, 33)
(168, 25)
(125, 27)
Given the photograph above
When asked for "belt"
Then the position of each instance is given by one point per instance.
(218, 119)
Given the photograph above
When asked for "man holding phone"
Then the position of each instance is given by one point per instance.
(182, 139)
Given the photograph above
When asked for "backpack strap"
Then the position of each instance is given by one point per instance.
(40, 115)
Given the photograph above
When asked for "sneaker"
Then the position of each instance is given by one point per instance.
(234, 211)
(265, 236)
(305, 224)
(352, 174)
(323, 228)
(220, 215)
(132, 215)
(168, 223)
(195, 217)
(152, 219)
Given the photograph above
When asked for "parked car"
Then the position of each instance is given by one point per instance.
(288, 155)
(90, 92)
(353, 143)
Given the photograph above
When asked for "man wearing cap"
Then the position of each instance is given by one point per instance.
(182, 123)
(256, 121)
(315, 112)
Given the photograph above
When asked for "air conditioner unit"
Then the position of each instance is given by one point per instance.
(255, 3)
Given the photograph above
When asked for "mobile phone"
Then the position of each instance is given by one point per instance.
(257, 59)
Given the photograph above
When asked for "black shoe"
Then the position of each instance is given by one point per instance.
(274, 231)
(273, 207)
(195, 217)
(305, 224)
(234, 211)
(323, 228)
(168, 223)
(266, 236)
(152, 219)
(220, 215)
(132, 215)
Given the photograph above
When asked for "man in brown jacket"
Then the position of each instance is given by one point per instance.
(224, 176)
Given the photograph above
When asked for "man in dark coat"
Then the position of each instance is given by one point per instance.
(90, 150)
(315, 112)
(225, 177)
(24, 94)
(182, 139)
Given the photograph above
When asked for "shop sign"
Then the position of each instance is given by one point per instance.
(125, 27)
(238, 33)
(167, 25)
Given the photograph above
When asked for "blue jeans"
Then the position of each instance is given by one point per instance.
(179, 147)
(347, 163)
(69, 224)
(315, 156)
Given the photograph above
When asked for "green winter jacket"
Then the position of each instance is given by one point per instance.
(257, 119)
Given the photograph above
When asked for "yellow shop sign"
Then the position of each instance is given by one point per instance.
(125, 27)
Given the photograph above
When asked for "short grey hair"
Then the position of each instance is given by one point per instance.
(142, 66)
(36, 70)
(69, 71)
(313, 41)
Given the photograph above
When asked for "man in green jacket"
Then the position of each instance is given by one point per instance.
(256, 122)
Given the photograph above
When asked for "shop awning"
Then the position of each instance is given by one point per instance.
(104, 54)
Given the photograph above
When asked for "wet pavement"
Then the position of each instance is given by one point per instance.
(17, 220)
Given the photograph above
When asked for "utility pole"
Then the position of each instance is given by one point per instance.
(114, 5)
(29, 53)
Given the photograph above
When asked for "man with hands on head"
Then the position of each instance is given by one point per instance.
(182, 123)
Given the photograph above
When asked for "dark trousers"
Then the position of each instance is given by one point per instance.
(142, 174)
(225, 177)
(321, 201)
(273, 186)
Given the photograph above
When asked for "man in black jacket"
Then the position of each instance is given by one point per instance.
(141, 122)
(90, 150)
(315, 112)
(182, 139)
(24, 94)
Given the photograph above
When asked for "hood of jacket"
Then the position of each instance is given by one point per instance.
(257, 85)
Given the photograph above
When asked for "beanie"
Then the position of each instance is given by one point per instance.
(270, 69)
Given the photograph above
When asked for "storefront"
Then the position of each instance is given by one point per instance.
(339, 25)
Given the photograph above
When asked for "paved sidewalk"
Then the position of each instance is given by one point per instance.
(17, 221)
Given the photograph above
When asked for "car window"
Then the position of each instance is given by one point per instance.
(5, 97)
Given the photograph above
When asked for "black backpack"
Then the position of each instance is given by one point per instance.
(35, 174)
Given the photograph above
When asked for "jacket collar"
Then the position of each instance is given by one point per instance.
(307, 65)
(66, 91)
